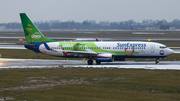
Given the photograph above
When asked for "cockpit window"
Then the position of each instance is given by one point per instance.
(162, 47)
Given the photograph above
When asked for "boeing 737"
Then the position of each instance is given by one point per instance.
(98, 50)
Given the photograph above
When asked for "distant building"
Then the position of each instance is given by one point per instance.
(172, 28)
(152, 28)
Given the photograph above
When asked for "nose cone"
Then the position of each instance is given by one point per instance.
(170, 51)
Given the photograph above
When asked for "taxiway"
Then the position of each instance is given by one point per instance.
(36, 63)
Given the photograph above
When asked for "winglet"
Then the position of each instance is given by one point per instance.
(45, 44)
(96, 38)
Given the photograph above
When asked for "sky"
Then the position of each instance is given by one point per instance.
(81, 10)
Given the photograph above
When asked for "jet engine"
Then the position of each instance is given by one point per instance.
(104, 57)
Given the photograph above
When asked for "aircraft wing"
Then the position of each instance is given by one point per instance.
(77, 52)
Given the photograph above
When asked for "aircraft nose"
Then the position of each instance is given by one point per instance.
(170, 51)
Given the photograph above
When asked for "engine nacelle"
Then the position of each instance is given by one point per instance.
(105, 57)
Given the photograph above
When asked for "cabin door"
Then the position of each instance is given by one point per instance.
(152, 48)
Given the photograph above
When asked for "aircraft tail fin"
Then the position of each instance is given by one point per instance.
(32, 33)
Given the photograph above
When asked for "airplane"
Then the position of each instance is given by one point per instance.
(98, 50)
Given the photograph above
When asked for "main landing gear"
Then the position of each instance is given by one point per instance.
(90, 62)
(157, 61)
(98, 63)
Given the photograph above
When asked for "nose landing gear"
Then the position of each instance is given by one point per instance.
(157, 61)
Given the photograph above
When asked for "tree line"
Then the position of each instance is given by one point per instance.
(92, 25)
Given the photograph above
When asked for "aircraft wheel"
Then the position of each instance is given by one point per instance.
(98, 63)
(157, 61)
(90, 62)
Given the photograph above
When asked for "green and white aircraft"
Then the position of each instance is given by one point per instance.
(99, 51)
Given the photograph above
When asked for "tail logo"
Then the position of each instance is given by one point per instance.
(35, 36)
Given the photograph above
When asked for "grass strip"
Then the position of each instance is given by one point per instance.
(87, 84)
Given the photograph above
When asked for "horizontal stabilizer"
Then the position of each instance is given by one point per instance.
(31, 45)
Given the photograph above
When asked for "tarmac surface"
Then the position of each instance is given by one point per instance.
(36, 63)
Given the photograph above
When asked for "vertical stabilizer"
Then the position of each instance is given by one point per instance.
(32, 33)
